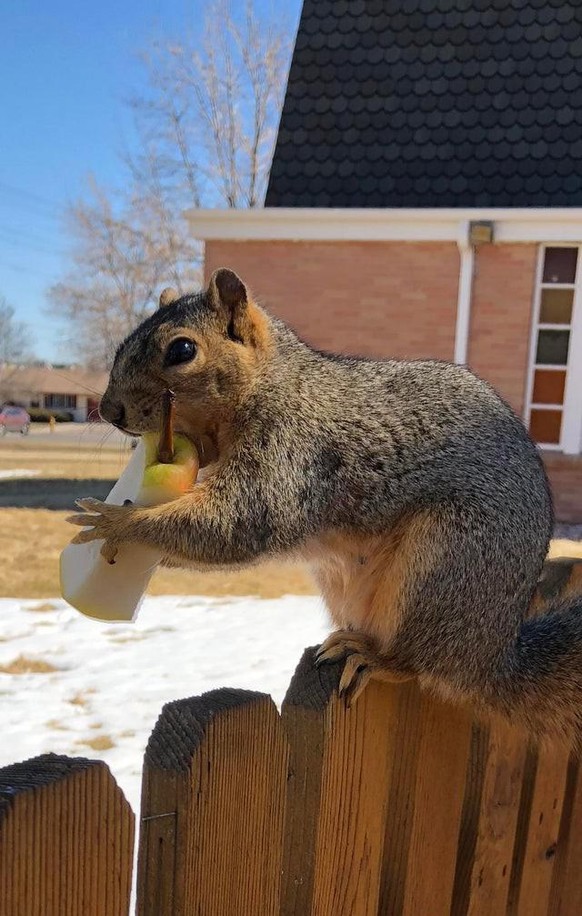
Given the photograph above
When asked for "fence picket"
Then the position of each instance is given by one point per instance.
(401, 801)
(212, 806)
(62, 852)
(566, 893)
(399, 805)
(443, 756)
(354, 764)
(543, 793)
(489, 824)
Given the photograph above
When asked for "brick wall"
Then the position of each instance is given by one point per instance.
(400, 299)
(565, 473)
(366, 298)
(501, 310)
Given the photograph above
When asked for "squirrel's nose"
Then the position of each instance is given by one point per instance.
(112, 412)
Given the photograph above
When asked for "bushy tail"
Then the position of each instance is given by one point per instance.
(541, 681)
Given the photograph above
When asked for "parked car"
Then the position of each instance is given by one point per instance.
(14, 420)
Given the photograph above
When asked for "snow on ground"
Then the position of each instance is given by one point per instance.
(17, 472)
(81, 687)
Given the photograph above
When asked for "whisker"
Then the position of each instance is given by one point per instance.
(77, 382)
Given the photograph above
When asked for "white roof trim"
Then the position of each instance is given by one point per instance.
(367, 225)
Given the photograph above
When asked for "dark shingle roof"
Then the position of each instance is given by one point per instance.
(433, 103)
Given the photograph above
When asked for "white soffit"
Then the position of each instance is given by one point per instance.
(384, 225)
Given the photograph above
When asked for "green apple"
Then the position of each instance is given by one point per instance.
(163, 482)
(114, 591)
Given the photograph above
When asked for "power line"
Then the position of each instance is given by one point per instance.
(38, 207)
(45, 201)
(30, 210)
(23, 248)
(25, 269)
(25, 245)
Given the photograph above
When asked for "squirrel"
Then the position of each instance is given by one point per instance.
(411, 489)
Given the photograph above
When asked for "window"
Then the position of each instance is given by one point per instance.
(554, 402)
(60, 401)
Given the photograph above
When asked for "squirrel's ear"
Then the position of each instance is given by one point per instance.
(227, 293)
(167, 296)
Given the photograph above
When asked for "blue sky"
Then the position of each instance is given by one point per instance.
(65, 69)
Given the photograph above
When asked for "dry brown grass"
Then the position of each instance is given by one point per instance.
(98, 743)
(24, 664)
(32, 539)
(44, 608)
(71, 463)
(80, 699)
(56, 725)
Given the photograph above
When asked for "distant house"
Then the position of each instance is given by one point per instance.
(69, 388)
(425, 199)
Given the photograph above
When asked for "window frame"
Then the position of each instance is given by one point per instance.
(51, 401)
(571, 430)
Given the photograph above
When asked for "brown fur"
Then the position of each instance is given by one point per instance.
(561, 580)
(209, 391)
(364, 579)
(411, 487)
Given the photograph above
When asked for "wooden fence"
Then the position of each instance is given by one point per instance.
(400, 805)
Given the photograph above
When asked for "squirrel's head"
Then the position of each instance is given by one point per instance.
(207, 347)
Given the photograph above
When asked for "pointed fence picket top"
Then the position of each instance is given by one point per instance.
(399, 805)
(340, 770)
(213, 800)
(66, 839)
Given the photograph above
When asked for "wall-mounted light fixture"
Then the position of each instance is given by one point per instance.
(480, 232)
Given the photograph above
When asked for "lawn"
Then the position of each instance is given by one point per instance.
(32, 539)
(60, 461)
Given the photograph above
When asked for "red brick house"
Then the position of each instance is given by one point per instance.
(425, 199)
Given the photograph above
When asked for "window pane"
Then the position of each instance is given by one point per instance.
(560, 265)
(545, 426)
(556, 307)
(553, 347)
(548, 386)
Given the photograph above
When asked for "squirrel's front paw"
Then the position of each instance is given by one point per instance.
(103, 521)
(363, 662)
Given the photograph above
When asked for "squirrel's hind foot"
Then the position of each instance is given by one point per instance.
(363, 661)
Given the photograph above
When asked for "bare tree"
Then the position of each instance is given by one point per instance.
(14, 336)
(121, 257)
(206, 123)
(212, 107)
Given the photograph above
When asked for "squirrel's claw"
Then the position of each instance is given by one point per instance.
(340, 644)
(92, 505)
(355, 677)
(109, 552)
(363, 662)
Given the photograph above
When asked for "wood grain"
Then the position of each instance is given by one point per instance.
(303, 721)
(543, 793)
(215, 773)
(442, 759)
(401, 801)
(489, 822)
(66, 839)
(335, 844)
(566, 892)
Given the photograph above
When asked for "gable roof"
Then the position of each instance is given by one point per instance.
(48, 380)
(432, 103)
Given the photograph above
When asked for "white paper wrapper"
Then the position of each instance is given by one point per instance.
(107, 591)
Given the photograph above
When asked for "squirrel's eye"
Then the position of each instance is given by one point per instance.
(181, 350)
